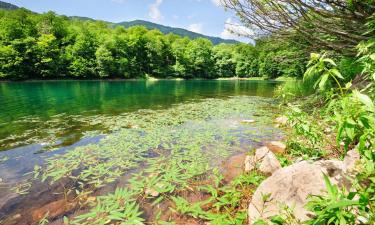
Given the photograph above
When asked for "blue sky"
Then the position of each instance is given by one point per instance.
(203, 16)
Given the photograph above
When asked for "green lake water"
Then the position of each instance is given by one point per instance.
(45, 111)
(95, 136)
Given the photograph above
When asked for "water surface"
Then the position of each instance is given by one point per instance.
(48, 111)
(127, 128)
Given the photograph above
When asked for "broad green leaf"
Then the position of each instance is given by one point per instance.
(330, 61)
(365, 100)
(323, 81)
(336, 73)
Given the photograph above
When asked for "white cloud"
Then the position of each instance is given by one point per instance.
(233, 30)
(217, 2)
(154, 11)
(196, 27)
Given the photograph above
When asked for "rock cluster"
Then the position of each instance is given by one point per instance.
(292, 185)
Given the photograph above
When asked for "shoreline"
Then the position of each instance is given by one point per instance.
(281, 79)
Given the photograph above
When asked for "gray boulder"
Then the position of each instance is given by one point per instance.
(291, 186)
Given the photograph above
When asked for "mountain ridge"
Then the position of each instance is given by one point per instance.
(179, 31)
(149, 25)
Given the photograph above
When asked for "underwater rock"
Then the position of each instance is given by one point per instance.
(233, 167)
(151, 192)
(276, 147)
(292, 185)
(248, 121)
(264, 160)
(53, 209)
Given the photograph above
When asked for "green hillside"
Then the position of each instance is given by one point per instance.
(178, 31)
(6, 5)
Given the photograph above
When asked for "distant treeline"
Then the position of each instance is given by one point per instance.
(48, 46)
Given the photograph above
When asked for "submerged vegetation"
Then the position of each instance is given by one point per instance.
(160, 156)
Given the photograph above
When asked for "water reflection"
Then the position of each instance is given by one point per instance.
(42, 100)
(46, 99)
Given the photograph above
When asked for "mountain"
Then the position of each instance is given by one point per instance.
(178, 31)
(82, 18)
(8, 6)
(147, 24)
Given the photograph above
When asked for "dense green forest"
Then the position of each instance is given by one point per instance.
(45, 46)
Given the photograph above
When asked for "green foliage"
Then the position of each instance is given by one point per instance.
(45, 46)
(353, 114)
(323, 70)
(224, 200)
(119, 207)
(292, 90)
(279, 59)
(308, 138)
(335, 208)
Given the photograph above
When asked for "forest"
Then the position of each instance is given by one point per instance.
(49, 46)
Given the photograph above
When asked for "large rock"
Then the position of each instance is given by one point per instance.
(291, 186)
(263, 160)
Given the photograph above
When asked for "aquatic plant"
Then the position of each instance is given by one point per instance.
(119, 207)
(177, 148)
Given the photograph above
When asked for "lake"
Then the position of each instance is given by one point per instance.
(46, 111)
(66, 142)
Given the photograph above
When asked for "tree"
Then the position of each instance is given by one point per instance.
(47, 56)
(246, 57)
(181, 66)
(337, 25)
(82, 54)
(199, 55)
(225, 64)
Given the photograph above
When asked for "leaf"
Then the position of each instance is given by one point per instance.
(342, 203)
(365, 100)
(336, 73)
(323, 81)
(330, 61)
(330, 188)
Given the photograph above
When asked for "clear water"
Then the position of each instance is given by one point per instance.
(35, 114)
(46, 111)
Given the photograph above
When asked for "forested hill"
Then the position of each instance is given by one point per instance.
(178, 31)
(6, 5)
(147, 24)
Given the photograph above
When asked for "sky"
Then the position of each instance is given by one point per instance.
(202, 16)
